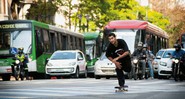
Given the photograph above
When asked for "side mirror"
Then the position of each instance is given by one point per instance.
(80, 58)
(158, 57)
(46, 61)
(169, 54)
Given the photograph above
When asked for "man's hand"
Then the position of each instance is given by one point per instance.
(118, 65)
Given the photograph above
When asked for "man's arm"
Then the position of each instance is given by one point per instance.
(118, 64)
(121, 56)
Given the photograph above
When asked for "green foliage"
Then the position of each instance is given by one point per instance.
(42, 11)
(94, 14)
(107, 10)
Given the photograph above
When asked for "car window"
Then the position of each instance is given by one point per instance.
(160, 53)
(80, 56)
(63, 55)
(166, 54)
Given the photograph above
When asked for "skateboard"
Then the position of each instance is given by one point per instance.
(121, 89)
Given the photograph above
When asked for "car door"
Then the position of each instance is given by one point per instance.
(81, 61)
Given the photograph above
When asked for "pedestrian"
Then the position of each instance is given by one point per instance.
(118, 53)
(149, 58)
(148, 42)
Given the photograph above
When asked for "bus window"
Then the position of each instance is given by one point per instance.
(46, 41)
(4, 40)
(53, 42)
(39, 43)
(64, 42)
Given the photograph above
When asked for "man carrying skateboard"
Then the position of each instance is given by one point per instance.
(118, 53)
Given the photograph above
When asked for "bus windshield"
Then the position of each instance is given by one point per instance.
(90, 48)
(16, 39)
(129, 36)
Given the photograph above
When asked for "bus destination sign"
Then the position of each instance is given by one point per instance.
(15, 26)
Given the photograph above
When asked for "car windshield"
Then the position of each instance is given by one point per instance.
(159, 53)
(166, 54)
(103, 57)
(63, 55)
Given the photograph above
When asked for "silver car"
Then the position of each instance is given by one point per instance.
(155, 62)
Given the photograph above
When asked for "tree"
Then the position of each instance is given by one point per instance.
(107, 10)
(42, 11)
(174, 10)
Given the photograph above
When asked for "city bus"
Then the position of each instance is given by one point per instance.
(39, 41)
(134, 31)
(93, 50)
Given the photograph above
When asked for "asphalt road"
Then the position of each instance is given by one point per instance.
(91, 88)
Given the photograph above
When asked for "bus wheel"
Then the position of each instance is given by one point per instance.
(6, 77)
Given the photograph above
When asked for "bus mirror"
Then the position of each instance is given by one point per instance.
(88, 57)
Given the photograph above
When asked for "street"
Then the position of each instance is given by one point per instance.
(92, 89)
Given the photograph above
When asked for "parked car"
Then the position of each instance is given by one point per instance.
(155, 62)
(67, 63)
(165, 64)
(104, 68)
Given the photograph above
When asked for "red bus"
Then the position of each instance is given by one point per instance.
(134, 31)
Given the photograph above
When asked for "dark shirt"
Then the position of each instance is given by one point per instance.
(141, 54)
(114, 52)
(178, 54)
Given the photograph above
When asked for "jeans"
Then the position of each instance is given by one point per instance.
(120, 77)
(143, 64)
(151, 68)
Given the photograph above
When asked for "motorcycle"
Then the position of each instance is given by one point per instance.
(176, 71)
(18, 69)
(137, 68)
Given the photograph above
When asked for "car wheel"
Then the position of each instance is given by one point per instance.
(6, 77)
(76, 73)
(107, 77)
(85, 74)
(97, 77)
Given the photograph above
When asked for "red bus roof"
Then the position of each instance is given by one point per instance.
(126, 24)
(136, 24)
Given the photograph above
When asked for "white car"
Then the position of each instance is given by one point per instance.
(67, 63)
(104, 68)
(165, 63)
(156, 61)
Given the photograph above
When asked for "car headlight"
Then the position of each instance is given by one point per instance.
(163, 63)
(135, 61)
(17, 61)
(72, 64)
(97, 66)
(49, 64)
